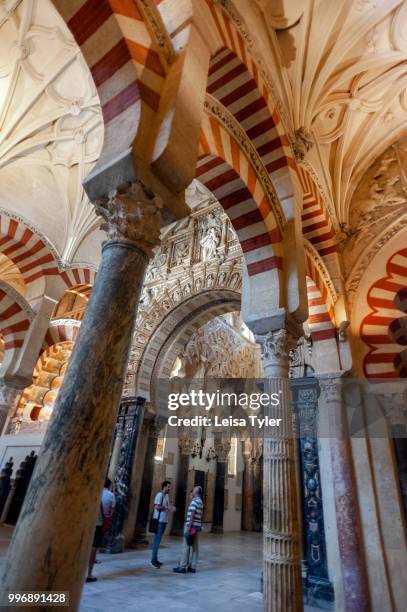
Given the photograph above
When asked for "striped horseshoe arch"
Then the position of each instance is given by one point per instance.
(75, 277)
(384, 329)
(319, 320)
(225, 170)
(15, 319)
(314, 276)
(316, 222)
(61, 331)
(125, 63)
(246, 97)
(26, 250)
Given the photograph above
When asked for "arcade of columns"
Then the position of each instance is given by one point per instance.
(292, 122)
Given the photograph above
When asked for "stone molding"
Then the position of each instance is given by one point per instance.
(132, 213)
(154, 20)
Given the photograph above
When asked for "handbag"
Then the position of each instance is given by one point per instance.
(107, 521)
(153, 523)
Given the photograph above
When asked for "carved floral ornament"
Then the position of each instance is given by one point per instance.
(331, 389)
(132, 213)
(276, 347)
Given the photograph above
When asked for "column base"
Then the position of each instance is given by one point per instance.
(114, 545)
(217, 529)
(318, 592)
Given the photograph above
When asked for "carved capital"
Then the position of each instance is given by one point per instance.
(222, 449)
(132, 213)
(185, 445)
(331, 389)
(276, 347)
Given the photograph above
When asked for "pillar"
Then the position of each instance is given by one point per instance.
(222, 448)
(144, 508)
(316, 583)
(132, 417)
(281, 529)
(247, 488)
(184, 445)
(354, 575)
(52, 541)
(117, 444)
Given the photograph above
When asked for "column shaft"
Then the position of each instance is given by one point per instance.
(219, 500)
(281, 529)
(52, 541)
(354, 574)
(181, 494)
(143, 512)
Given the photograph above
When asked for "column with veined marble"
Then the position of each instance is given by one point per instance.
(222, 449)
(281, 529)
(354, 574)
(185, 444)
(52, 541)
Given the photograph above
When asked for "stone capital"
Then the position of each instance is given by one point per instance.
(222, 449)
(331, 387)
(275, 347)
(185, 445)
(131, 213)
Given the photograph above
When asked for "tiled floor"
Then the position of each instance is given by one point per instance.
(228, 578)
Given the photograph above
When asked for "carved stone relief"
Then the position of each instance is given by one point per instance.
(217, 350)
(196, 254)
(378, 210)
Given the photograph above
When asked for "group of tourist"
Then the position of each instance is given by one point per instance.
(158, 524)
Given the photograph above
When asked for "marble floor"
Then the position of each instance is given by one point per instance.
(228, 577)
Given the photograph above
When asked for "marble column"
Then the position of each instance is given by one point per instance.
(247, 488)
(50, 547)
(281, 530)
(354, 574)
(117, 444)
(222, 449)
(185, 445)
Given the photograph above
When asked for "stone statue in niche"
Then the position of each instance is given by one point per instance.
(211, 236)
(181, 252)
(156, 269)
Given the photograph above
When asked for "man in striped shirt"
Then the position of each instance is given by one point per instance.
(192, 527)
